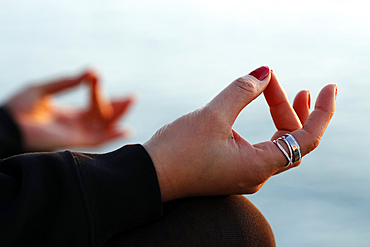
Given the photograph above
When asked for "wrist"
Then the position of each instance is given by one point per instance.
(167, 181)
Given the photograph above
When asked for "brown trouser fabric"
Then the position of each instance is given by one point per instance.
(202, 221)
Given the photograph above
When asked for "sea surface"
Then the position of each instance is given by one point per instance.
(177, 55)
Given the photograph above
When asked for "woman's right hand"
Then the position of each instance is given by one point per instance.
(199, 154)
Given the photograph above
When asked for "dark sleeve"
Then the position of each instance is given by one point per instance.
(75, 199)
(10, 135)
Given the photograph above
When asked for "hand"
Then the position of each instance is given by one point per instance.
(46, 127)
(200, 154)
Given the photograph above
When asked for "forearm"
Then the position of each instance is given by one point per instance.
(74, 199)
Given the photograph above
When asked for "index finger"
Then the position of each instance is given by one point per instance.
(99, 101)
(282, 113)
(62, 84)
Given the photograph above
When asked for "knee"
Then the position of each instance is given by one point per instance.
(250, 225)
(219, 221)
(203, 221)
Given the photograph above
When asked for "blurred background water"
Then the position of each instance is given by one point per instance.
(177, 55)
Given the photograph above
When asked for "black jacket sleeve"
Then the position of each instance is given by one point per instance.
(75, 199)
(10, 135)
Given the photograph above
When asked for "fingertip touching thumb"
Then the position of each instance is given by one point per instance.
(261, 73)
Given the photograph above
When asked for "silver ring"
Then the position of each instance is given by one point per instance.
(288, 157)
(293, 146)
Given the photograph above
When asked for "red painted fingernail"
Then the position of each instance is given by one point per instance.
(261, 73)
(336, 91)
(309, 99)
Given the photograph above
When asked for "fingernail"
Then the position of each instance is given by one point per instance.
(261, 73)
(335, 91)
(309, 99)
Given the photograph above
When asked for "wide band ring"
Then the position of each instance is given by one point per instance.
(296, 149)
(293, 147)
(287, 156)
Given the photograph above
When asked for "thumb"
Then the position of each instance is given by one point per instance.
(230, 101)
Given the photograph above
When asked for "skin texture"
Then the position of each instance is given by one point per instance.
(199, 154)
(46, 126)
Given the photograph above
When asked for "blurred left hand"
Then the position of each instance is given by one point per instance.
(46, 127)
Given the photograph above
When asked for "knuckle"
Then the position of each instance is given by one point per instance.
(246, 85)
(325, 110)
(313, 142)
